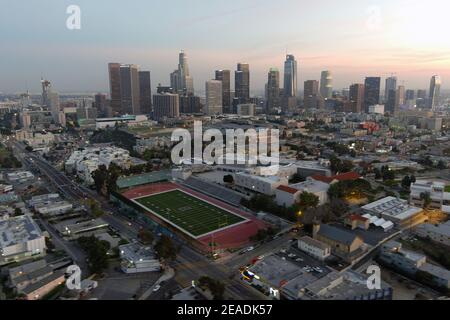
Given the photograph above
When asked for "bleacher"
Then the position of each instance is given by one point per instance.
(213, 190)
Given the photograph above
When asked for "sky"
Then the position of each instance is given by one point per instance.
(351, 38)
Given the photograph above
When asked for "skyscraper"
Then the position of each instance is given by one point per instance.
(100, 103)
(273, 90)
(435, 91)
(326, 84)
(356, 97)
(391, 85)
(129, 89)
(311, 94)
(421, 94)
(410, 95)
(290, 76)
(165, 105)
(175, 81)
(242, 82)
(145, 92)
(390, 94)
(371, 92)
(114, 86)
(225, 77)
(186, 82)
(46, 89)
(399, 98)
(50, 99)
(190, 104)
(213, 97)
(124, 84)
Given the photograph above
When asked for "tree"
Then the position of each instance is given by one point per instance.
(336, 191)
(308, 200)
(441, 165)
(165, 248)
(228, 178)
(337, 165)
(100, 176)
(97, 252)
(426, 198)
(145, 236)
(96, 210)
(377, 172)
(387, 173)
(216, 287)
(263, 234)
(406, 182)
(17, 212)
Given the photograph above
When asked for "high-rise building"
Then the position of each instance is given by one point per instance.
(399, 98)
(164, 89)
(114, 87)
(46, 88)
(435, 91)
(145, 92)
(186, 82)
(50, 99)
(213, 97)
(100, 103)
(326, 84)
(165, 105)
(242, 82)
(129, 89)
(421, 94)
(225, 77)
(190, 104)
(124, 83)
(290, 76)
(391, 85)
(371, 92)
(175, 81)
(356, 97)
(390, 94)
(311, 94)
(410, 95)
(273, 90)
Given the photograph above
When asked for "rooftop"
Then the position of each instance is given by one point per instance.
(392, 207)
(17, 230)
(337, 234)
(137, 180)
(311, 185)
(314, 242)
(340, 177)
(136, 252)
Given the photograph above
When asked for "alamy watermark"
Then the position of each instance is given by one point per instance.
(73, 282)
(232, 147)
(73, 22)
(374, 280)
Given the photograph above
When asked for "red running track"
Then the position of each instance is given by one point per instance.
(232, 237)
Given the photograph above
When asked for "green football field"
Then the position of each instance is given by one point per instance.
(189, 213)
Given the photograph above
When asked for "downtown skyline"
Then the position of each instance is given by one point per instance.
(352, 44)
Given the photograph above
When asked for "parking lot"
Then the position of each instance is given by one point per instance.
(304, 261)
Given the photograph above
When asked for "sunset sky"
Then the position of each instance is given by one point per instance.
(352, 38)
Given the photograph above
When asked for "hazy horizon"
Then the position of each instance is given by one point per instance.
(353, 39)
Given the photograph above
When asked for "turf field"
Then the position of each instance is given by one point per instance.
(188, 213)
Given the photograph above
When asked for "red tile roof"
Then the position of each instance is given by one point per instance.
(287, 189)
(354, 217)
(340, 177)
